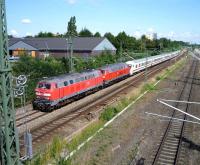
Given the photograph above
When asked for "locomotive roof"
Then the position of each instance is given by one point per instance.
(112, 66)
(70, 76)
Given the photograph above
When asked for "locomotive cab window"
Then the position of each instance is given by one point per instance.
(44, 85)
(103, 71)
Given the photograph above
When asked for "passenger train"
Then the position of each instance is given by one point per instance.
(141, 64)
(51, 93)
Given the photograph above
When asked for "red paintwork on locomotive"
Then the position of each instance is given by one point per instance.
(55, 93)
(109, 75)
(73, 89)
(45, 93)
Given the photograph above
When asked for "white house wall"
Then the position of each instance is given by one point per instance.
(105, 45)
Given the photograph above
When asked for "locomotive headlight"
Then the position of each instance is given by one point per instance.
(47, 94)
(38, 93)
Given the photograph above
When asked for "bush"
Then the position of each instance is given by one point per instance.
(158, 78)
(108, 113)
(51, 152)
(36, 69)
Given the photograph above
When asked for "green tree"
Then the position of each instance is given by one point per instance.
(97, 34)
(66, 64)
(124, 41)
(85, 33)
(80, 64)
(44, 35)
(71, 28)
(110, 37)
(37, 69)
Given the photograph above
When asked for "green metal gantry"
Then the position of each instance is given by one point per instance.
(9, 143)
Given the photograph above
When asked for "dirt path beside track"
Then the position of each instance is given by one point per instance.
(135, 135)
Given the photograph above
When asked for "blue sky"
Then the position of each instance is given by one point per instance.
(175, 19)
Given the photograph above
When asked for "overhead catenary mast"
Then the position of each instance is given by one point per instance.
(9, 143)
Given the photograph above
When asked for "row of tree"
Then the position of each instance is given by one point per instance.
(121, 41)
(126, 42)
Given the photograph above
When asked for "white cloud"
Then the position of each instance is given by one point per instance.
(14, 32)
(182, 36)
(186, 34)
(137, 34)
(26, 21)
(71, 1)
(28, 34)
(150, 30)
(197, 35)
(171, 34)
(189, 37)
(160, 35)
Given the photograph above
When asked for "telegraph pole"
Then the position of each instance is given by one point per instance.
(121, 51)
(9, 142)
(71, 54)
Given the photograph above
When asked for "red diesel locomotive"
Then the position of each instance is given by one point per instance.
(56, 91)
(114, 72)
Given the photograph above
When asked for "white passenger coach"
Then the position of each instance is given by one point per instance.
(141, 64)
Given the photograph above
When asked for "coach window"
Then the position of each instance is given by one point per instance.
(65, 83)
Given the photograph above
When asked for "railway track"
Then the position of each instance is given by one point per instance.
(52, 127)
(28, 117)
(169, 149)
